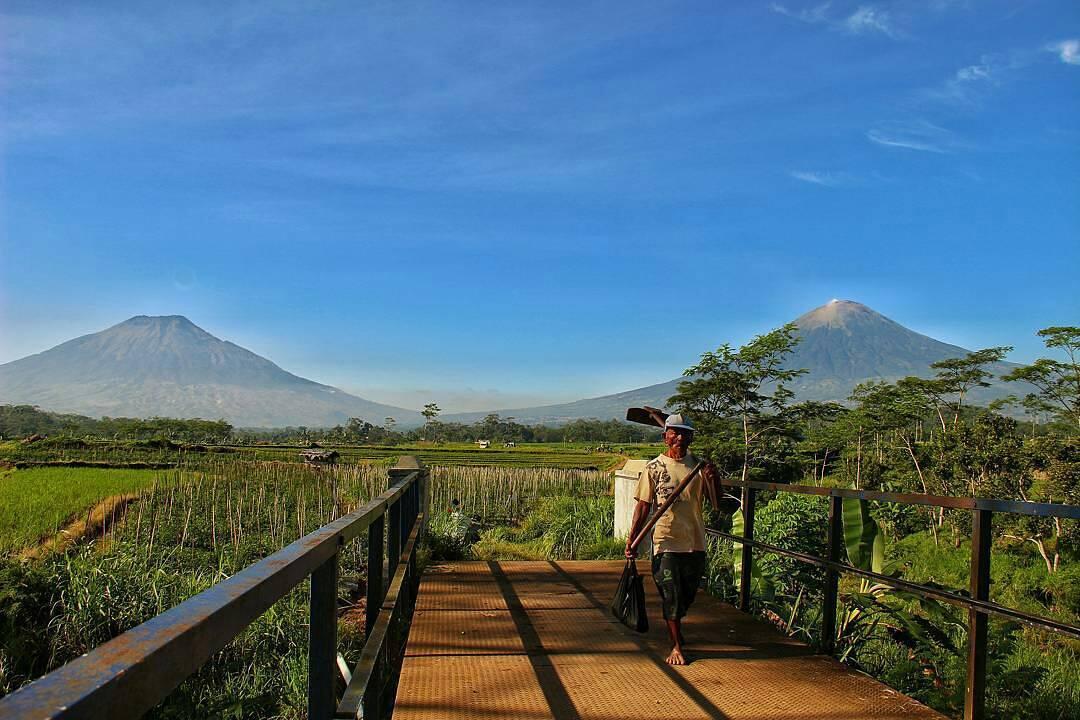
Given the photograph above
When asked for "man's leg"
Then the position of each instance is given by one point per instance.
(675, 657)
(666, 567)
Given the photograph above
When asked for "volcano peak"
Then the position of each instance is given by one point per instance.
(839, 313)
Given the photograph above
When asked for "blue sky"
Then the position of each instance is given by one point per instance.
(496, 204)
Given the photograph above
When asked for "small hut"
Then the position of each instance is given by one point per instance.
(319, 458)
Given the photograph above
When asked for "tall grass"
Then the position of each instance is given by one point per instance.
(524, 514)
(189, 530)
(206, 520)
(504, 494)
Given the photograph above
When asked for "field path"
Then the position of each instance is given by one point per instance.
(102, 515)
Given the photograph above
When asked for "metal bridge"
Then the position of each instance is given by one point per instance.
(536, 640)
(525, 639)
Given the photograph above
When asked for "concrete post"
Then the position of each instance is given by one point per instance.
(626, 480)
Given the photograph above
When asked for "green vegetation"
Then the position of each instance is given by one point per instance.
(38, 502)
(24, 420)
(224, 506)
(188, 530)
(912, 435)
(216, 513)
(557, 527)
(20, 421)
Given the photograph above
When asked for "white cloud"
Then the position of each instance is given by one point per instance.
(919, 135)
(1067, 50)
(814, 15)
(882, 138)
(973, 72)
(869, 19)
(967, 83)
(865, 20)
(816, 178)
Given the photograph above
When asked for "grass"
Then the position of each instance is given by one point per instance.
(554, 527)
(559, 455)
(36, 503)
(186, 531)
(194, 526)
(563, 455)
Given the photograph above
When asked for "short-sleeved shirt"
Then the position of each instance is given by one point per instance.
(681, 528)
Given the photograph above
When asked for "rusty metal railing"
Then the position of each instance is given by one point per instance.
(977, 604)
(133, 672)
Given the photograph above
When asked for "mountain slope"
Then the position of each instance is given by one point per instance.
(168, 366)
(842, 344)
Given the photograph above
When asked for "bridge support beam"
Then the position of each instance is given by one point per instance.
(832, 577)
(749, 496)
(322, 641)
(975, 693)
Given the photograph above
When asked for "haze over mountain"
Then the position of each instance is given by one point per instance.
(842, 344)
(168, 366)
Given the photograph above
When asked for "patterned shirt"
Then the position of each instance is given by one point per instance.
(681, 528)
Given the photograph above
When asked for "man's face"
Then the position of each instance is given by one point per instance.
(676, 438)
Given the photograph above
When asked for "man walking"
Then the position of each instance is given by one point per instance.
(679, 535)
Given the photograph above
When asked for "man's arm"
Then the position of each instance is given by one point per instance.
(710, 479)
(641, 515)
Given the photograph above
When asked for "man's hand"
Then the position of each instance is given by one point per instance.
(631, 552)
(658, 415)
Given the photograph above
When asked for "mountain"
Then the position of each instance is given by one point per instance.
(841, 344)
(169, 367)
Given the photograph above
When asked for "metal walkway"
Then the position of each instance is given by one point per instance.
(535, 640)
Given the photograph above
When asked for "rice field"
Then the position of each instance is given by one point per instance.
(504, 494)
(525, 456)
(155, 452)
(187, 528)
(36, 503)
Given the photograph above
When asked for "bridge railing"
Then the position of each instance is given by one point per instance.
(978, 604)
(133, 672)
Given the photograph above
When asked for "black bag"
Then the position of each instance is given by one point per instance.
(628, 604)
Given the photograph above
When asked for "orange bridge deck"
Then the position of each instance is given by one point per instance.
(535, 640)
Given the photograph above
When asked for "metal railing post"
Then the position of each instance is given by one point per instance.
(376, 587)
(393, 538)
(322, 640)
(404, 524)
(748, 501)
(975, 692)
(832, 577)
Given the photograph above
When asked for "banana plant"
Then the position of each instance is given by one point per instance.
(761, 585)
(866, 610)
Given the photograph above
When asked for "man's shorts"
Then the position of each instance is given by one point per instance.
(677, 577)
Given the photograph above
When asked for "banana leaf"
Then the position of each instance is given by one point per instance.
(864, 540)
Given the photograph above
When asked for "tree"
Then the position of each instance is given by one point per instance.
(1058, 382)
(1053, 475)
(430, 412)
(957, 376)
(898, 408)
(820, 432)
(728, 384)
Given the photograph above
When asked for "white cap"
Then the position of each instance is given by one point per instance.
(679, 422)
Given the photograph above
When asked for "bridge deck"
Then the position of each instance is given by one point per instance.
(535, 640)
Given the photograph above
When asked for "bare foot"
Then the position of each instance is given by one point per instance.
(676, 657)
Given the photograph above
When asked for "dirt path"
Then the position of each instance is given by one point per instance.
(94, 522)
